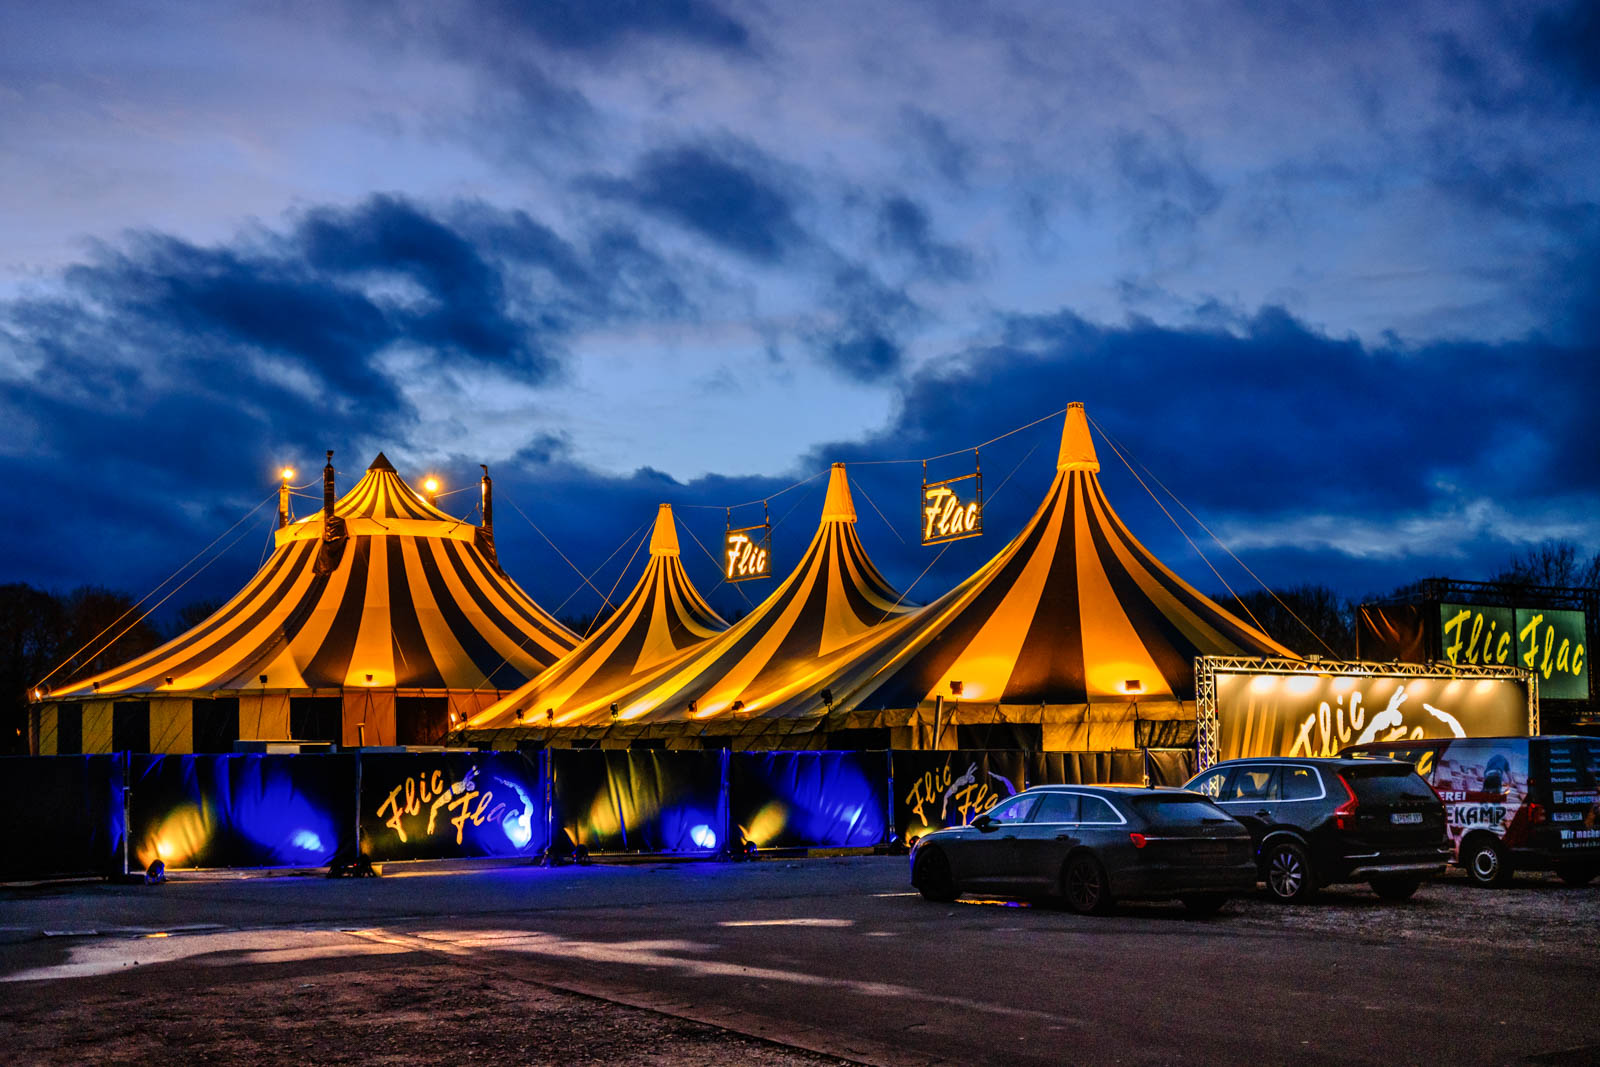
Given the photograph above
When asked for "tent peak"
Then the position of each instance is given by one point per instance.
(381, 464)
(664, 538)
(1077, 449)
(838, 507)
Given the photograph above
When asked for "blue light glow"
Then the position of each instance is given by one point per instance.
(307, 840)
(703, 836)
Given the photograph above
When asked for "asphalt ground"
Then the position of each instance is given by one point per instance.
(808, 961)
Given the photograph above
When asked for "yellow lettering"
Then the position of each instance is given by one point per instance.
(1530, 634)
(1563, 656)
(1577, 660)
(1454, 626)
(1502, 648)
(1472, 642)
(1549, 639)
(393, 821)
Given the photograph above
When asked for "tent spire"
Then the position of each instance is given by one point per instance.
(838, 507)
(664, 538)
(1077, 450)
(327, 488)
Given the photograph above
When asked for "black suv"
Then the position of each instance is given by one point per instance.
(1317, 821)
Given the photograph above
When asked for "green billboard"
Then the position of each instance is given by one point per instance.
(1553, 642)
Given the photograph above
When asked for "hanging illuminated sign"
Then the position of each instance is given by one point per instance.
(1550, 641)
(951, 509)
(747, 551)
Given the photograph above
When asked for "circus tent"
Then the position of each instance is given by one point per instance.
(759, 678)
(663, 617)
(378, 597)
(1074, 626)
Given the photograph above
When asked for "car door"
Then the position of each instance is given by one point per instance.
(1042, 843)
(1251, 796)
(987, 857)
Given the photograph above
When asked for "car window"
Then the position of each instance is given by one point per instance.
(1211, 783)
(1096, 809)
(1013, 810)
(1299, 783)
(1386, 786)
(1057, 807)
(1164, 810)
(1253, 783)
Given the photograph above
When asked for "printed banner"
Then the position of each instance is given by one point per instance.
(438, 805)
(1319, 714)
(637, 801)
(808, 799)
(933, 790)
(242, 810)
(1085, 768)
(1554, 643)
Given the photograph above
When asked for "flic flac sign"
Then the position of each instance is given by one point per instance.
(952, 509)
(1549, 641)
(747, 553)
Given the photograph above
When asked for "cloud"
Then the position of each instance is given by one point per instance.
(904, 229)
(726, 201)
(602, 26)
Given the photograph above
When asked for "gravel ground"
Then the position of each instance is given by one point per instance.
(1538, 913)
(438, 1012)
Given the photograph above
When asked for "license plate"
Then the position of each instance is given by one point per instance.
(1566, 816)
(1405, 817)
(1209, 849)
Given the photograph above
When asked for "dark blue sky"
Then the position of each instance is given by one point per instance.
(1329, 271)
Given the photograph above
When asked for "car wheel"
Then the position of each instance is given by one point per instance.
(1577, 872)
(932, 877)
(1396, 888)
(1487, 863)
(1289, 877)
(1202, 904)
(1084, 886)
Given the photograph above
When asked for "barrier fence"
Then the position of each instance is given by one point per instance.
(109, 814)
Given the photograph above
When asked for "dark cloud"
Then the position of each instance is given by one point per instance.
(1157, 167)
(600, 26)
(1566, 41)
(869, 316)
(904, 229)
(865, 357)
(950, 157)
(724, 200)
(140, 395)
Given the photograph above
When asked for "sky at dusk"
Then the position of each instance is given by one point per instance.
(1330, 272)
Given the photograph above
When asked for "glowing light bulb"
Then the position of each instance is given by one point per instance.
(287, 472)
(431, 485)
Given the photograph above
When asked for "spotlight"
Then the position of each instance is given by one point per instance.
(453, 718)
(955, 688)
(1133, 685)
(369, 679)
(613, 711)
(96, 686)
(287, 472)
(549, 714)
(827, 699)
(156, 873)
(692, 707)
(169, 679)
(431, 485)
(738, 705)
(263, 679)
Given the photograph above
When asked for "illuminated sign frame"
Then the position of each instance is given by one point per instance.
(746, 557)
(1551, 641)
(944, 516)
(1207, 668)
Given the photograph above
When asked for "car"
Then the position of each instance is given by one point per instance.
(1089, 847)
(1317, 821)
(1513, 803)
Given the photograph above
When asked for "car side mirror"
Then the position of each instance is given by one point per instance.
(984, 823)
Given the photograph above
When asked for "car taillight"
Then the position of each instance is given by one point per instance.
(1137, 839)
(1344, 816)
(1536, 812)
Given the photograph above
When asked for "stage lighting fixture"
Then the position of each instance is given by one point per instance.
(549, 714)
(955, 688)
(1132, 685)
(692, 707)
(169, 679)
(613, 711)
(263, 679)
(738, 705)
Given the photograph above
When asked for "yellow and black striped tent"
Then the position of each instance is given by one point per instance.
(378, 595)
(663, 617)
(771, 659)
(1074, 625)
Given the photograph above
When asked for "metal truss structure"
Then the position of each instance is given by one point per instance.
(1206, 669)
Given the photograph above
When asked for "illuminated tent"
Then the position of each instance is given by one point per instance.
(377, 597)
(1074, 626)
(760, 676)
(661, 618)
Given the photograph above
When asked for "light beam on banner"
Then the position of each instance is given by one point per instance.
(747, 551)
(952, 509)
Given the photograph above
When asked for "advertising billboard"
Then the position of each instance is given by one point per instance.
(1552, 641)
(1303, 713)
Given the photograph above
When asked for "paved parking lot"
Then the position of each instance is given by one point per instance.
(784, 962)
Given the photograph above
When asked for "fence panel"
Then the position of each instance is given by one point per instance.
(933, 790)
(440, 805)
(241, 810)
(808, 799)
(63, 815)
(638, 801)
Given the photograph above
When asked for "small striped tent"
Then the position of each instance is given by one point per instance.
(759, 678)
(378, 596)
(1074, 626)
(662, 618)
